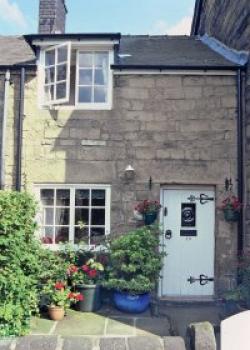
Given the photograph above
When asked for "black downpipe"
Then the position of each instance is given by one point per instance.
(240, 160)
(20, 131)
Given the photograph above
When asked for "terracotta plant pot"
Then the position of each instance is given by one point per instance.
(56, 313)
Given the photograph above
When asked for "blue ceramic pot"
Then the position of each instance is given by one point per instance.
(149, 218)
(131, 303)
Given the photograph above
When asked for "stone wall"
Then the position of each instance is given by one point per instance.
(228, 21)
(175, 129)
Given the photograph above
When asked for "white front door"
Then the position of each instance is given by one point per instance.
(188, 224)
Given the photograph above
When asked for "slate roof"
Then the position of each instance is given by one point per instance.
(135, 51)
(14, 50)
(168, 51)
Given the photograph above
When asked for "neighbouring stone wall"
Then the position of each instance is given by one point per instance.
(175, 129)
(228, 21)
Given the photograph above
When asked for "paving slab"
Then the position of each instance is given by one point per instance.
(156, 326)
(39, 325)
(113, 344)
(78, 343)
(120, 326)
(37, 343)
(80, 323)
(145, 343)
(5, 344)
(174, 343)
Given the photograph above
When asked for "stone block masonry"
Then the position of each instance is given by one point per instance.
(175, 129)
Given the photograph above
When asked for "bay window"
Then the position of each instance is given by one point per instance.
(75, 214)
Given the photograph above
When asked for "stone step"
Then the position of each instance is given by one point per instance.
(94, 343)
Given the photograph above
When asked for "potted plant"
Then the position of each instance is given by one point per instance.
(85, 280)
(231, 207)
(60, 298)
(149, 210)
(135, 264)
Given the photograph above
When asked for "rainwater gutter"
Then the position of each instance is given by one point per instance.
(20, 131)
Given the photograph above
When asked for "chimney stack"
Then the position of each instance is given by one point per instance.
(52, 16)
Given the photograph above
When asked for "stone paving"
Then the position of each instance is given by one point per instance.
(110, 329)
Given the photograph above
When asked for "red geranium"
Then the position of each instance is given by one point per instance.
(92, 273)
(72, 269)
(231, 202)
(79, 297)
(59, 285)
(85, 268)
(148, 206)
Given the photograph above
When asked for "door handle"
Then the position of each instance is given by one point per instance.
(168, 234)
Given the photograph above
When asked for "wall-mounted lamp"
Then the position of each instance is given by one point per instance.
(129, 172)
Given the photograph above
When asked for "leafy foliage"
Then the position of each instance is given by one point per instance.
(21, 262)
(135, 261)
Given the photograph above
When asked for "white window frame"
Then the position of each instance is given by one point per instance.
(95, 105)
(73, 188)
(68, 63)
(59, 104)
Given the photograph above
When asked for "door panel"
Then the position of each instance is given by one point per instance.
(190, 250)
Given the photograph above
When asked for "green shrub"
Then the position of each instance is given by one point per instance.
(19, 262)
(135, 261)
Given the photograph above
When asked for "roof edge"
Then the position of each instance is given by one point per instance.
(111, 36)
(238, 57)
(173, 67)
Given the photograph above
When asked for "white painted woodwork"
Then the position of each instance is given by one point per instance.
(188, 256)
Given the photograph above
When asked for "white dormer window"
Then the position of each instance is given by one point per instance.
(76, 77)
(92, 77)
(57, 74)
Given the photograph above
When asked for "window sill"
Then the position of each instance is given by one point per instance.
(77, 108)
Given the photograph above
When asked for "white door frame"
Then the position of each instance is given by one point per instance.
(193, 187)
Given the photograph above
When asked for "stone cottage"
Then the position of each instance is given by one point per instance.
(92, 123)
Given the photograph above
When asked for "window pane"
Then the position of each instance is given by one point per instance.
(48, 235)
(82, 198)
(49, 216)
(62, 54)
(47, 197)
(100, 77)
(49, 75)
(81, 215)
(100, 94)
(85, 76)
(101, 60)
(98, 217)
(63, 197)
(61, 72)
(50, 58)
(60, 90)
(62, 216)
(81, 235)
(62, 234)
(49, 92)
(85, 94)
(85, 59)
(98, 198)
(97, 235)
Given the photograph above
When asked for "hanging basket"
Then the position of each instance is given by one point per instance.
(231, 215)
(149, 218)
